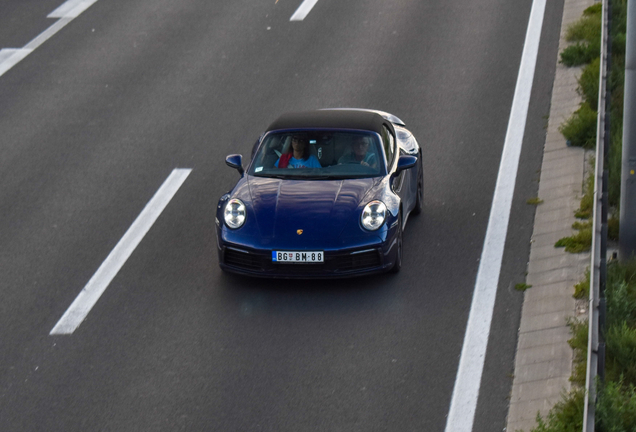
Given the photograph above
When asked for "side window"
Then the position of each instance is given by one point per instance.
(389, 145)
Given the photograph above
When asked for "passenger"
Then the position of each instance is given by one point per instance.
(360, 154)
(299, 157)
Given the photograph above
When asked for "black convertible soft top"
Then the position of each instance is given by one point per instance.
(330, 119)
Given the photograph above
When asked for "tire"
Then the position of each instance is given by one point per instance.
(398, 258)
(419, 200)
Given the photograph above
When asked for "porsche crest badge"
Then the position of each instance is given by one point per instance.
(299, 232)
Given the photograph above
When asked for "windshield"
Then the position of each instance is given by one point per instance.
(319, 155)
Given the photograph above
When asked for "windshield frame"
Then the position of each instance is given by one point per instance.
(326, 172)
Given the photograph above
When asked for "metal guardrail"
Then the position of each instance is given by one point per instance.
(598, 267)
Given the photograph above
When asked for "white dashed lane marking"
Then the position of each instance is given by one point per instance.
(96, 286)
(68, 11)
(71, 9)
(302, 11)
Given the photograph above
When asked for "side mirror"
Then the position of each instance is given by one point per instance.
(405, 162)
(235, 161)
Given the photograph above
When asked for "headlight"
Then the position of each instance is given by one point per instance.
(234, 213)
(373, 215)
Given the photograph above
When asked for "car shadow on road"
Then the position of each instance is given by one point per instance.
(252, 295)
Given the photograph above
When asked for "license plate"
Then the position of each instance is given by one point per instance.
(298, 257)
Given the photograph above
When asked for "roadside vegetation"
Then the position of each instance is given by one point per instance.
(580, 129)
(534, 201)
(616, 405)
(616, 402)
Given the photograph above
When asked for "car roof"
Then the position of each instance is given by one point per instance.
(329, 119)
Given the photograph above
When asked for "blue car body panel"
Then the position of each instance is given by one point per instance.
(319, 215)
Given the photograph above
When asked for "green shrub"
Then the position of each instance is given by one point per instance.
(588, 83)
(621, 304)
(616, 83)
(579, 242)
(613, 228)
(619, 25)
(620, 293)
(619, 41)
(620, 360)
(586, 33)
(578, 343)
(582, 289)
(565, 416)
(577, 54)
(616, 408)
(587, 201)
(588, 27)
(534, 201)
(616, 405)
(580, 128)
(622, 271)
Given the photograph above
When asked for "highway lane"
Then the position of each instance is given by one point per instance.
(94, 121)
(22, 21)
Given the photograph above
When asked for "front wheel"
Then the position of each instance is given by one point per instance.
(398, 256)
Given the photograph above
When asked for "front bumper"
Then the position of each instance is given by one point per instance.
(361, 254)
(337, 264)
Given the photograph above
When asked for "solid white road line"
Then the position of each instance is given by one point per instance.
(96, 286)
(302, 11)
(471, 364)
(66, 12)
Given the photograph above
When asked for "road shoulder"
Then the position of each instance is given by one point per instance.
(543, 362)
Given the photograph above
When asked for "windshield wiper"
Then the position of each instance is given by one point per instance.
(314, 177)
(278, 176)
(348, 177)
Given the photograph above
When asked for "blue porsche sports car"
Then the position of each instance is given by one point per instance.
(326, 194)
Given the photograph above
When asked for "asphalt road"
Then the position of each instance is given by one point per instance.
(94, 120)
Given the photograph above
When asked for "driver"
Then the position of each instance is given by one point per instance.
(299, 157)
(360, 154)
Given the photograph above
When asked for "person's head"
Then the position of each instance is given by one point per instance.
(300, 145)
(360, 146)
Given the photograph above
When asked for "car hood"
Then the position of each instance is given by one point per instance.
(321, 209)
